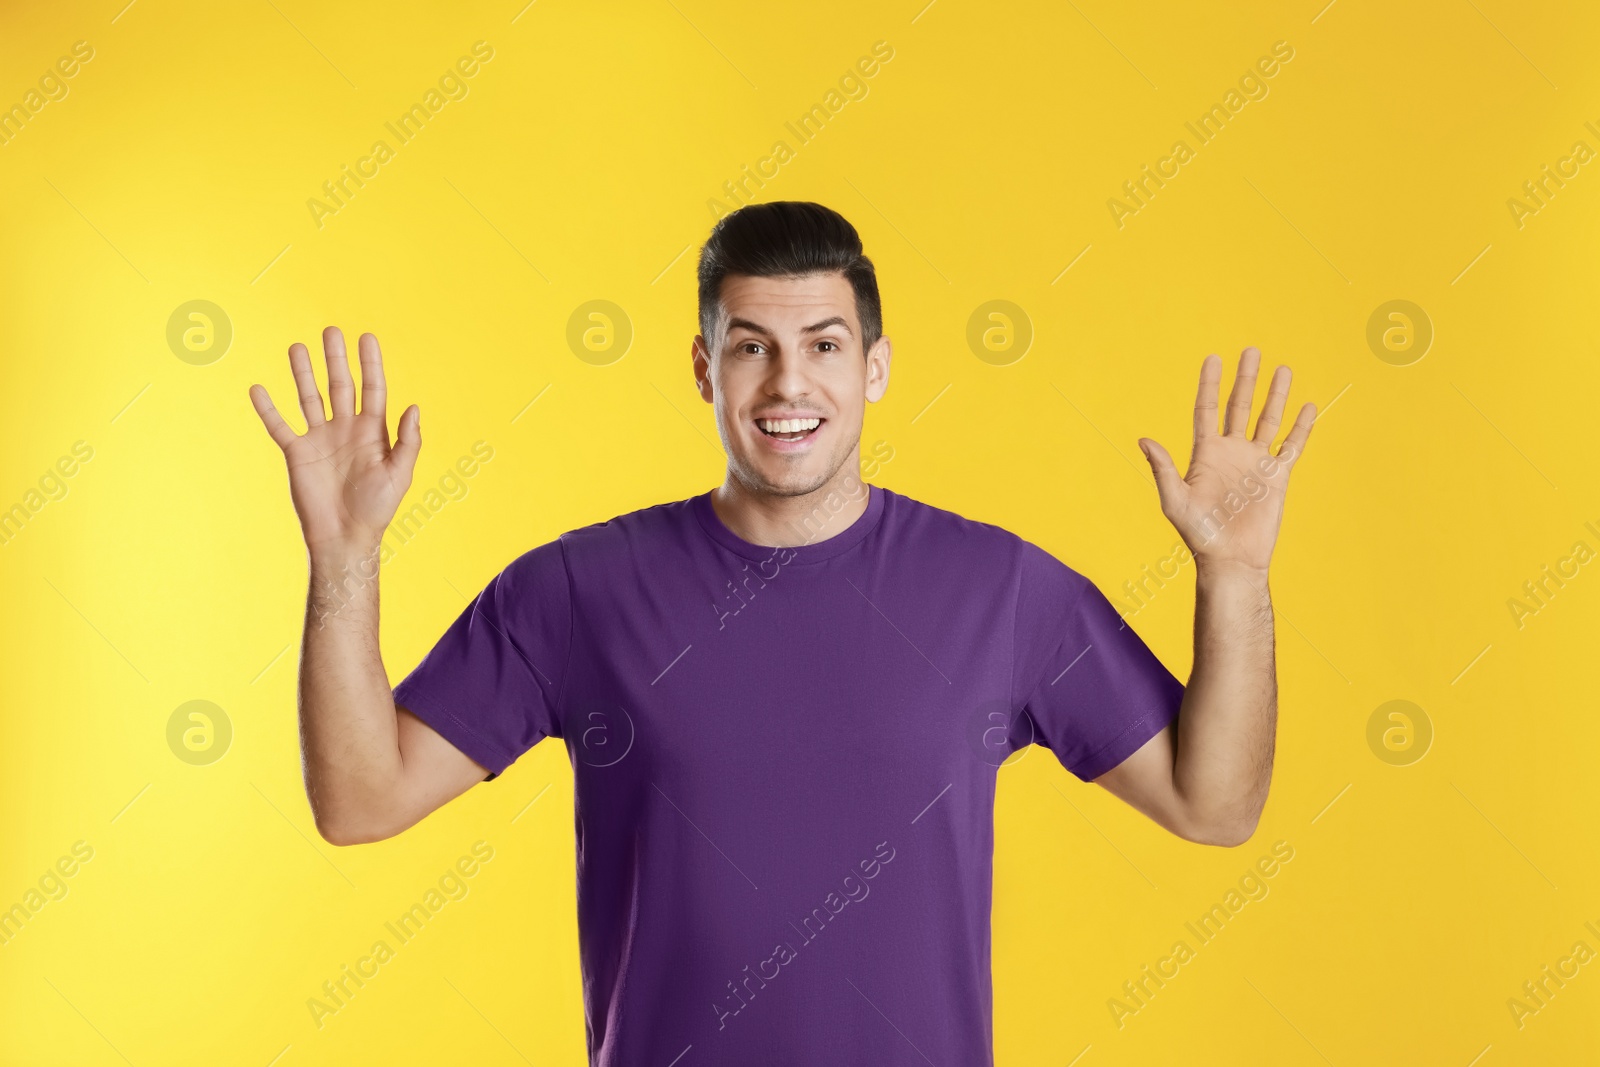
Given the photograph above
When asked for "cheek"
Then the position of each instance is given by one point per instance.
(728, 395)
(849, 405)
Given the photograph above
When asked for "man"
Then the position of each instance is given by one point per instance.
(785, 699)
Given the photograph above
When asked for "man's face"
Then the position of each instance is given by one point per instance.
(790, 350)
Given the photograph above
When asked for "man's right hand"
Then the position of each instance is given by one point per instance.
(345, 478)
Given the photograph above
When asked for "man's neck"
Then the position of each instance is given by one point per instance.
(789, 521)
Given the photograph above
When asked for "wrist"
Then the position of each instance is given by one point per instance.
(342, 555)
(343, 583)
(1207, 569)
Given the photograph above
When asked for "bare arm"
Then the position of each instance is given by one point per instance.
(371, 769)
(1206, 776)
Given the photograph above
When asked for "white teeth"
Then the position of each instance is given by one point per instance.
(788, 425)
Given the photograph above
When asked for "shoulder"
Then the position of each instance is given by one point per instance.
(1023, 562)
(614, 546)
(630, 541)
(917, 518)
(628, 524)
(909, 515)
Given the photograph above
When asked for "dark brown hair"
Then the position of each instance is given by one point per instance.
(786, 239)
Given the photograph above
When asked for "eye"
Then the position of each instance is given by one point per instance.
(745, 348)
(832, 347)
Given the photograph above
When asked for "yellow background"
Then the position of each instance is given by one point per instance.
(977, 167)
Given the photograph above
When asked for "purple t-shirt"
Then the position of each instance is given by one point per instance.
(784, 763)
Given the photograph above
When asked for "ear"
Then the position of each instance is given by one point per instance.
(702, 368)
(878, 369)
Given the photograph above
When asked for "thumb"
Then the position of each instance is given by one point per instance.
(1168, 481)
(408, 441)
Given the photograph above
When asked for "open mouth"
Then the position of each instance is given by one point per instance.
(789, 431)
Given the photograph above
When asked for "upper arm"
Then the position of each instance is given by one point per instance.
(1145, 781)
(490, 688)
(1095, 692)
(433, 772)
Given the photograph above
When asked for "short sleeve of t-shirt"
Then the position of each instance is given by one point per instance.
(491, 685)
(1094, 691)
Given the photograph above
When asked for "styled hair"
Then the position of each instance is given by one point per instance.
(787, 239)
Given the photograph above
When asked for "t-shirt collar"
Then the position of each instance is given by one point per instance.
(816, 526)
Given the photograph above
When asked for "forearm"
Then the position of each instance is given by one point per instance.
(349, 737)
(1228, 719)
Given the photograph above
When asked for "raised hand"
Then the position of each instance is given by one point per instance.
(1228, 507)
(345, 479)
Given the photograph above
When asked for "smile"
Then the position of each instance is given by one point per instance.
(789, 431)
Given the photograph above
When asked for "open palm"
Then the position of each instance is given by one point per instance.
(1229, 505)
(345, 478)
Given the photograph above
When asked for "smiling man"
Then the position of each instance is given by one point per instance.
(785, 827)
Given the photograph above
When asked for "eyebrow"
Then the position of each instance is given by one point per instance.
(816, 327)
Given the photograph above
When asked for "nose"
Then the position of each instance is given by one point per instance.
(790, 376)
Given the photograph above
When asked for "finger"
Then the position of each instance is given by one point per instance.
(374, 390)
(341, 387)
(1169, 483)
(276, 427)
(1272, 414)
(1236, 420)
(306, 383)
(1295, 444)
(1205, 402)
(408, 442)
